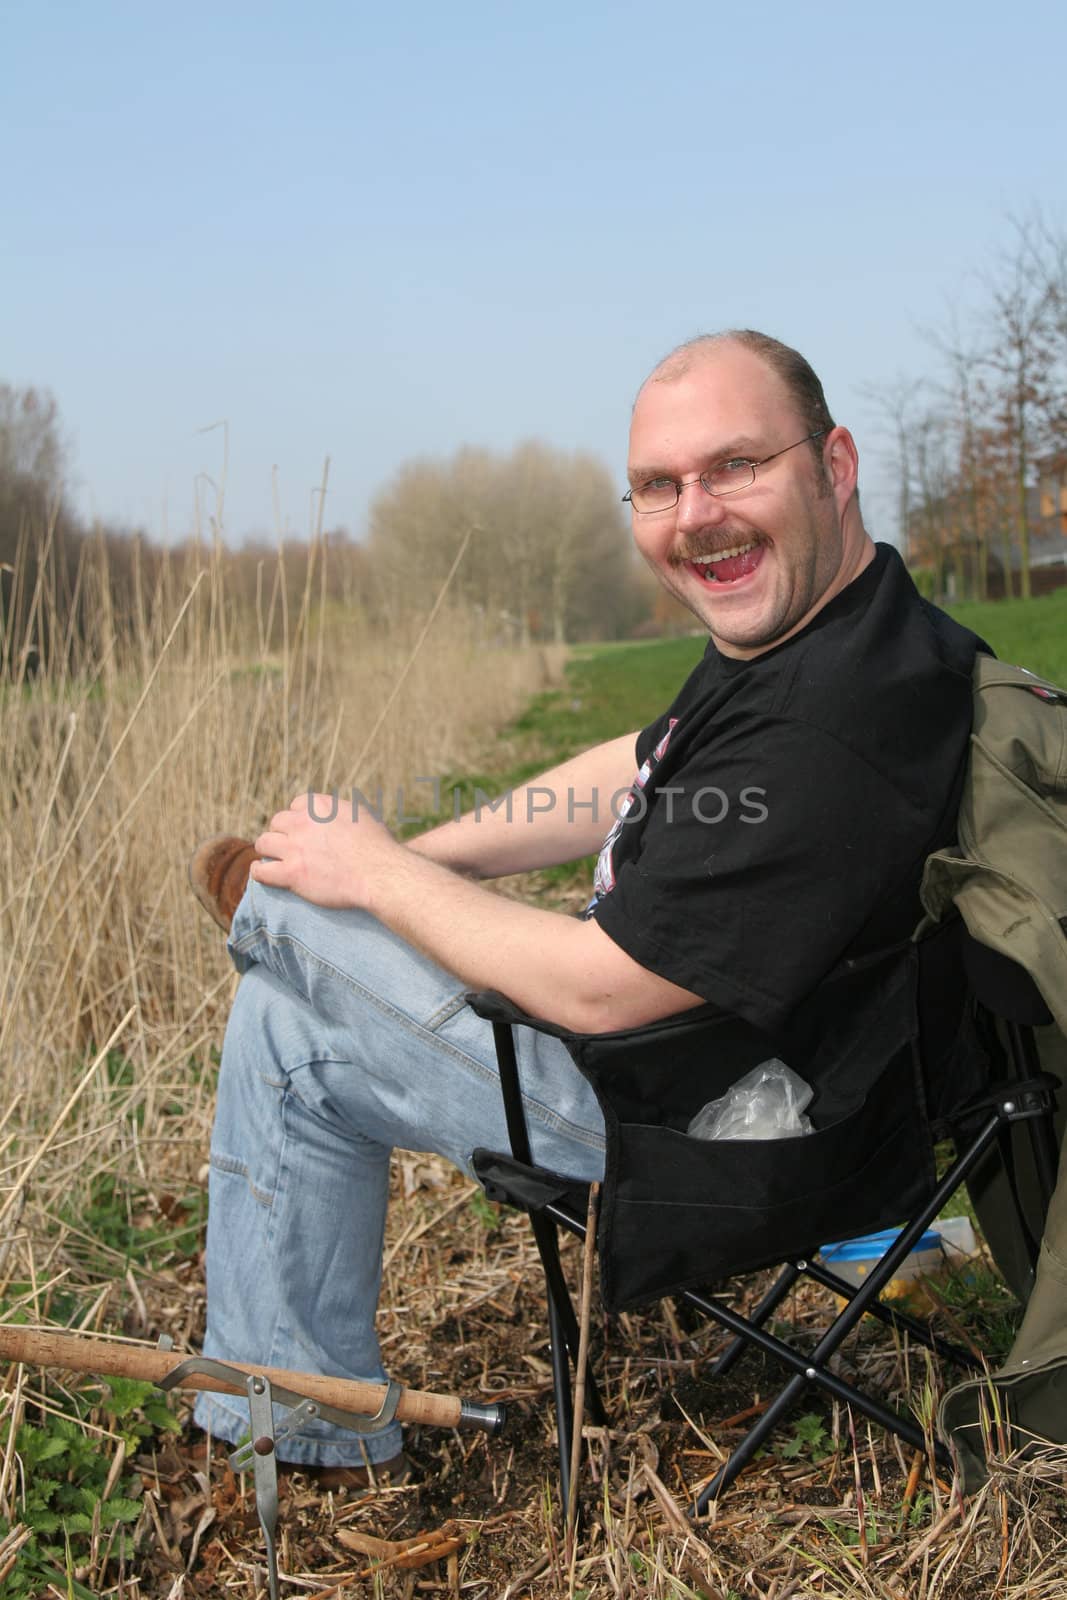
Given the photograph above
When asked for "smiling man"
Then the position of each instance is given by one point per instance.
(777, 818)
(753, 530)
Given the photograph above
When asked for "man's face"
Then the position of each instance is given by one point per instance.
(784, 532)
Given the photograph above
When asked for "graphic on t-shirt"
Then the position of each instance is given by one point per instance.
(604, 876)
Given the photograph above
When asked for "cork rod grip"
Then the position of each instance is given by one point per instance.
(112, 1358)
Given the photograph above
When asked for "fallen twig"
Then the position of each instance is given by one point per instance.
(418, 1551)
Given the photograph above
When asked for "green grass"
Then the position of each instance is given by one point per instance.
(1030, 633)
(608, 690)
(611, 689)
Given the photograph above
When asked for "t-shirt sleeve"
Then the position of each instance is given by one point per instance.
(649, 737)
(761, 860)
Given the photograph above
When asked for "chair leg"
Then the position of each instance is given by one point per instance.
(740, 1457)
(564, 1398)
(779, 1407)
(813, 1369)
(1022, 1049)
(770, 1302)
(891, 1317)
(563, 1324)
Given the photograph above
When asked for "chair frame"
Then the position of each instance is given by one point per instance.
(1029, 1098)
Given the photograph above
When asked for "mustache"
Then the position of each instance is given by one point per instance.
(693, 548)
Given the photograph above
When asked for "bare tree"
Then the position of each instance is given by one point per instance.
(39, 541)
(550, 551)
(30, 442)
(932, 482)
(968, 402)
(1020, 358)
(1047, 253)
(1000, 402)
(896, 404)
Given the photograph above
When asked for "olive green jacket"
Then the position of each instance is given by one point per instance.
(1007, 877)
(1025, 1401)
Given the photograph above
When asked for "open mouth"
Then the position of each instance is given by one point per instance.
(727, 566)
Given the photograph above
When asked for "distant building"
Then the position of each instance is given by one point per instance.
(941, 540)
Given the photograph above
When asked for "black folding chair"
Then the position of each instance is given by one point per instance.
(1012, 1185)
(678, 1213)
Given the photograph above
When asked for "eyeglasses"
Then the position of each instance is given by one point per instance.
(661, 494)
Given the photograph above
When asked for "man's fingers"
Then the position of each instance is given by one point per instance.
(272, 843)
(275, 874)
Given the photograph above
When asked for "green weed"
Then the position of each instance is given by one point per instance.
(62, 1475)
(986, 1305)
(121, 1222)
(484, 1211)
(810, 1439)
(850, 1536)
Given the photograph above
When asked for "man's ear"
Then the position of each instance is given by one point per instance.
(842, 462)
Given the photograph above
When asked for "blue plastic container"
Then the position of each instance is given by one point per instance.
(853, 1259)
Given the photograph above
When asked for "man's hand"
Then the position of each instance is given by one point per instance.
(334, 863)
(552, 965)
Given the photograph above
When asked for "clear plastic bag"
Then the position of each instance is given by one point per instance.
(767, 1103)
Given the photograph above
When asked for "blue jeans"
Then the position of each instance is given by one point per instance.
(343, 1042)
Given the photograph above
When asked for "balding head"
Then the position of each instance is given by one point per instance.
(797, 375)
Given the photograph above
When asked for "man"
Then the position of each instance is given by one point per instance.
(776, 828)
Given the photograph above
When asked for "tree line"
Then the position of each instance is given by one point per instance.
(542, 544)
(981, 442)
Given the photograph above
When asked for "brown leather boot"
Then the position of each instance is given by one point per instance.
(218, 873)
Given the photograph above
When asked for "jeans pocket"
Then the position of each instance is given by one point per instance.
(446, 1011)
(225, 1167)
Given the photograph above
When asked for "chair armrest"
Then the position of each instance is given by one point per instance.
(498, 1008)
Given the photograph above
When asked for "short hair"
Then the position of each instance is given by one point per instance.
(799, 377)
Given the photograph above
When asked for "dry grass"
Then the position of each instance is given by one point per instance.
(119, 754)
(115, 991)
(118, 761)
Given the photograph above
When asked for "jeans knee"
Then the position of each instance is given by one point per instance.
(262, 912)
(252, 1077)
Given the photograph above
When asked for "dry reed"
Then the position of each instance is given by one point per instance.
(136, 736)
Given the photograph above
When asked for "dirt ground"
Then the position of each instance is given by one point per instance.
(833, 1508)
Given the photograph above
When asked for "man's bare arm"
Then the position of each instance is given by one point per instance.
(560, 816)
(567, 971)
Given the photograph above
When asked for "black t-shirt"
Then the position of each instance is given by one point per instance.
(785, 805)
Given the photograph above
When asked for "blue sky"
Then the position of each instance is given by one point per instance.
(382, 232)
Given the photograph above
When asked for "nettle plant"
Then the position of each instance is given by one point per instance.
(60, 1486)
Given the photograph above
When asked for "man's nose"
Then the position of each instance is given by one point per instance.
(696, 507)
